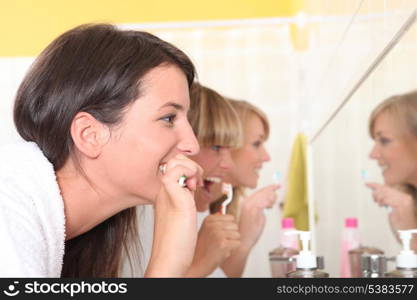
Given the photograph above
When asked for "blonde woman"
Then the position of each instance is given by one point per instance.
(244, 173)
(217, 128)
(393, 127)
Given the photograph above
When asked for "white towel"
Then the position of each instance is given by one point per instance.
(32, 219)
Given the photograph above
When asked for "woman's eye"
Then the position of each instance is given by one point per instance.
(169, 119)
(257, 144)
(216, 148)
(384, 141)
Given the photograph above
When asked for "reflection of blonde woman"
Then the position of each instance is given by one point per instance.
(393, 126)
(217, 127)
(247, 163)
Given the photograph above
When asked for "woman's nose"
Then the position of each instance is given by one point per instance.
(188, 143)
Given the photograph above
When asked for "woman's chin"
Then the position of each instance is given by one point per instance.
(202, 200)
(392, 181)
(252, 184)
(202, 207)
(146, 200)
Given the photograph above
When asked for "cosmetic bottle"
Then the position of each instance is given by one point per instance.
(406, 261)
(282, 258)
(350, 240)
(306, 261)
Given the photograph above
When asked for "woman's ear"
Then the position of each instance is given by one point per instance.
(89, 134)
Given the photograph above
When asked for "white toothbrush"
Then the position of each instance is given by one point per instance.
(277, 177)
(227, 189)
(364, 175)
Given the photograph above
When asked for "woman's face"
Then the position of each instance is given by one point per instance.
(215, 161)
(393, 151)
(248, 160)
(154, 129)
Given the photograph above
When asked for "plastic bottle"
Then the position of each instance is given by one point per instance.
(350, 240)
(288, 240)
(406, 261)
(306, 261)
(281, 258)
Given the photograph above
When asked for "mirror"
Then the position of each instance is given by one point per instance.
(342, 149)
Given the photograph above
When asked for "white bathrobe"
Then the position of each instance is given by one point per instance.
(32, 219)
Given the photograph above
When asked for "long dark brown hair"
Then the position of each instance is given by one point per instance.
(93, 68)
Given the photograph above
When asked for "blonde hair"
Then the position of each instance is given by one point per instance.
(403, 108)
(246, 111)
(213, 119)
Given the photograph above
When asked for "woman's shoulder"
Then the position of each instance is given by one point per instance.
(32, 206)
(28, 178)
(19, 147)
(22, 159)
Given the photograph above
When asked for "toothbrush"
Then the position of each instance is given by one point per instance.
(277, 177)
(365, 178)
(364, 175)
(181, 181)
(228, 190)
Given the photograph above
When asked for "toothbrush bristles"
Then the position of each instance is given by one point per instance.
(277, 176)
(364, 174)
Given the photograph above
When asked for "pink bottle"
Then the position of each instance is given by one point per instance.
(350, 240)
(288, 241)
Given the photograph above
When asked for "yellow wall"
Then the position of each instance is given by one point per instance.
(27, 26)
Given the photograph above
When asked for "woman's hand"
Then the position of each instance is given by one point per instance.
(217, 238)
(172, 194)
(402, 215)
(252, 218)
(251, 224)
(175, 229)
